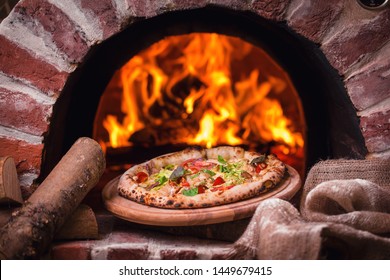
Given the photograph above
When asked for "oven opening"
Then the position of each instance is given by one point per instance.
(200, 89)
(175, 81)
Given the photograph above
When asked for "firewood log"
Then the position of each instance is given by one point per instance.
(31, 230)
(81, 224)
(10, 192)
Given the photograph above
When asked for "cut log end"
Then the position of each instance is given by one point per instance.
(81, 225)
(10, 192)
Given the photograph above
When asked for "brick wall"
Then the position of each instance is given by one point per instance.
(42, 42)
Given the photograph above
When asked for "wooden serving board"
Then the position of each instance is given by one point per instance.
(142, 214)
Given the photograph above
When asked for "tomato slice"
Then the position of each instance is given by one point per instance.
(141, 177)
(184, 182)
(204, 164)
(218, 181)
(189, 165)
(260, 166)
(189, 162)
(201, 189)
(197, 163)
(193, 170)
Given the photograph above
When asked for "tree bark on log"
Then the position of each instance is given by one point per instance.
(82, 224)
(30, 231)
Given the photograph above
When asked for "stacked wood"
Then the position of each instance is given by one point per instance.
(32, 228)
(10, 192)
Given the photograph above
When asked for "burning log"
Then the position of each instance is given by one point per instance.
(28, 234)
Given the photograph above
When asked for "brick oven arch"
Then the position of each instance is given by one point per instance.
(48, 47)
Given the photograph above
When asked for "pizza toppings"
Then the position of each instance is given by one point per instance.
(260, 166)
(177, 174)
(218, 181)
(199, 175)
(201, 189)
(217, 176)
(257, 160)
(259, 163)
(141, 177)
(190, 192)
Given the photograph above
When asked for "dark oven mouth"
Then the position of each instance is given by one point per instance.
(316, 103)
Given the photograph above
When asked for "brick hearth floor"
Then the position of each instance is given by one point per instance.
(122, 240)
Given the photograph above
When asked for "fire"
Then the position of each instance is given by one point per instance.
(186, 89)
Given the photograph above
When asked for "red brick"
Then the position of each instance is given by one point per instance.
(178, 254)
(21, 64)
(313, 19)
(150, 8)
(24, 113)
(233, 4)
(372, 84)
(357, 40)
(376, 131)
(271, 9)
(133, 252)
(27, 156)
(134, 244)
(105, 12)
(127, 237)
(77, 250)
(189, 4)
(64, 32)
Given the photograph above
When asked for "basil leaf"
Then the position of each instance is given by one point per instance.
(190, 192)
(224, 169)
(177, 173)
(221, 160)
(162, 180)
(211, 173)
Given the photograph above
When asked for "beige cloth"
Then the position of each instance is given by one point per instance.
(344, 214)
(357, 203)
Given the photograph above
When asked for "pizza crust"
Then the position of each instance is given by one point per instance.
(166, 198)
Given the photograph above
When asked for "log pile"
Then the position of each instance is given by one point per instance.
(33, 226)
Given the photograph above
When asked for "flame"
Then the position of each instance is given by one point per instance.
(183, 89)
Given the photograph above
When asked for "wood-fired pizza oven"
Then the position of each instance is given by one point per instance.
(326, 64)
(56, 61)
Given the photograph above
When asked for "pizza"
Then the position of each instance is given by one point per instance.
(197, 178)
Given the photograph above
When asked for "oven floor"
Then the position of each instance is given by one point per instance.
(123, 240)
